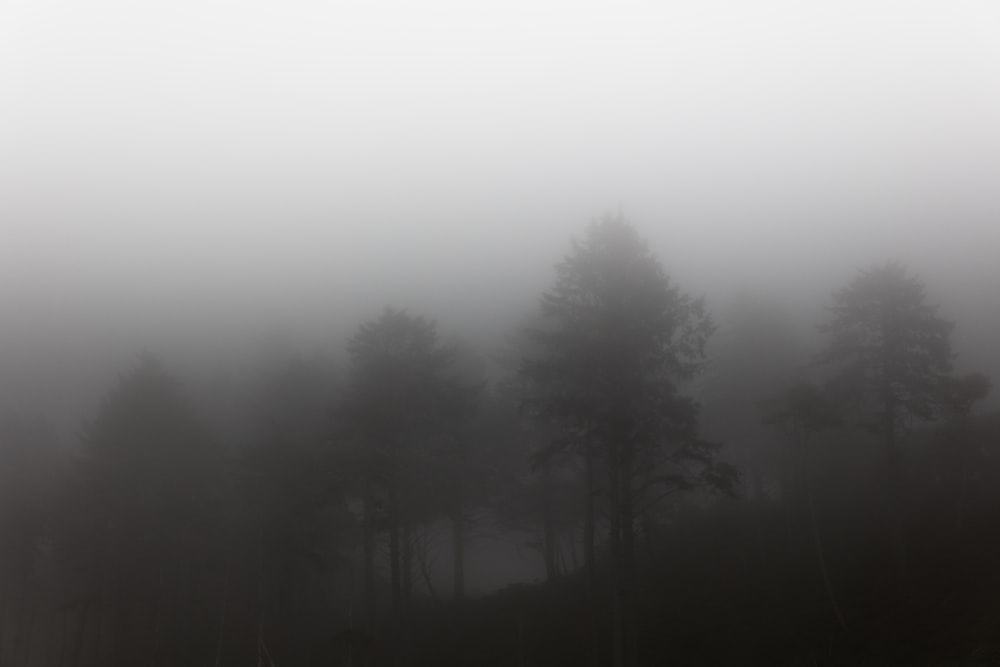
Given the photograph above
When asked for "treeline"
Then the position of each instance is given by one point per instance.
(763, 505)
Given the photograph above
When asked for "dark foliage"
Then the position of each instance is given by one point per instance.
(340, 522)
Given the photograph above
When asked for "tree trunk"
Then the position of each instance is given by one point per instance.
(548, 524)
(807, 483)
(407, 564)
(110, 608)
(895, 488)
(394, 574)
(222, 615)
(423, 561)
(588, 554)
(617, 611)
(821, 556)
(21, 644)
(627, 581)
(154, 652)
(3, 633)
(368, 547)
(260, 597)
(458, 553)
(893, 462)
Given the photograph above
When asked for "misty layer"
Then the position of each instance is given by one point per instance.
(628, 479)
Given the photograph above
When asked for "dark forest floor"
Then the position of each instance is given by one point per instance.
(724, 590)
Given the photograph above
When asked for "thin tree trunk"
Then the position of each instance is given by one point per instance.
(222, 616)
(424, 564)
(155, 650)
(522, 654)
(368, 547)
(895, 473)
(617, 611)
(3, 633)
(407, 565)
(548, 523)
(260, 597)
(394, 554)
(105, 651)
(561, 560)
(893, 461)
(588, 555)
(458, 554)
(820, 555)
(20, 626)
(394, 575)
(817, 537)
(406, 586)
(628, 570)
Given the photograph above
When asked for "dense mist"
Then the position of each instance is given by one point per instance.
(546, 333)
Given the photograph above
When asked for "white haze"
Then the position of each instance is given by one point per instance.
(200, 173)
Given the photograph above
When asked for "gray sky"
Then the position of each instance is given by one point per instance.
(210, 166)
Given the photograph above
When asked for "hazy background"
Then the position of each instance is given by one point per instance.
(200, 175)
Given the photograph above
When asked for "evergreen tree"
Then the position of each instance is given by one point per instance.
(144, 529)
(405, 393)
(891, 355)
(617, 340)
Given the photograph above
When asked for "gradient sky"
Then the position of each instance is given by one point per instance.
(191, 167)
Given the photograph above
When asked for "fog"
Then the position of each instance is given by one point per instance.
(293, 159)
(226, 185)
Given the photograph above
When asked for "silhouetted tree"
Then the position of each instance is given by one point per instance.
(542, 496)
(803, 411)
(29, 473)
(145, 525)
(298, 523)
(891, 353)
(405, 391)
(457, 471)
(617, 339)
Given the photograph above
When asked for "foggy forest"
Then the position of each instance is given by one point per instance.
(499, 335)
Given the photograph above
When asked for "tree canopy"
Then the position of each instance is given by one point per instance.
(889, 347)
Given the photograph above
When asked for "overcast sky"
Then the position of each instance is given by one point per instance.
(217, 165)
